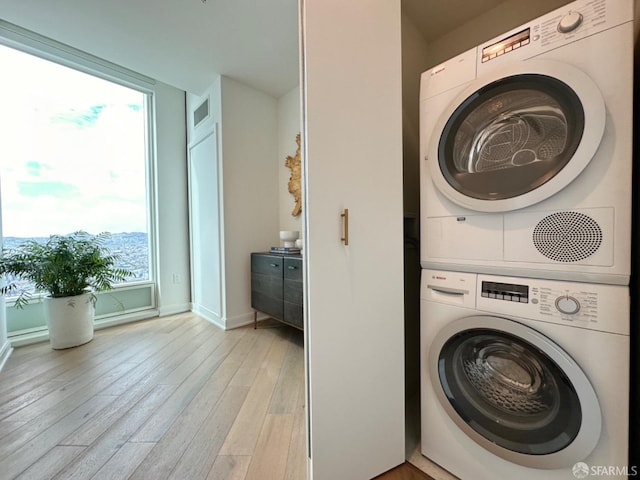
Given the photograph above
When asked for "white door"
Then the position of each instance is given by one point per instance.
(352, 135)
(204, 207)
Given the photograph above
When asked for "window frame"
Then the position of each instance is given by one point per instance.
(31, 43)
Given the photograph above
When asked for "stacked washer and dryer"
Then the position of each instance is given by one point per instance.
(526, 162)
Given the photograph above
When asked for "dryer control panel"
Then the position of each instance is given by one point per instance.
(565, 25)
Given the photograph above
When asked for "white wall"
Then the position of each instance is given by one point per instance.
(249, 153)
(171, 200)
(414, 58)
(5, 348)
(249, 148)
(288, 127)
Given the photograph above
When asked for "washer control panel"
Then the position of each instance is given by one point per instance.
(586, 305)
(570, 21)
(570, 304)
(505, 291)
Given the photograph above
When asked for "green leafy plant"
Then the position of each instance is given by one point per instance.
(63, 266)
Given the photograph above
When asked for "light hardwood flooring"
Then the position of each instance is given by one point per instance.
(173, 397)
(406, 471)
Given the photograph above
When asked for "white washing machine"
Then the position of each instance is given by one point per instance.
(524, 378)
(526, 150)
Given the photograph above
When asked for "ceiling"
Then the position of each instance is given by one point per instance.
(188, 43)
(184, 43)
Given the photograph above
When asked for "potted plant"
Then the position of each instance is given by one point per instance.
(69, 269)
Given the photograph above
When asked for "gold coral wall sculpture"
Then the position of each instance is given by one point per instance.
(295, 185)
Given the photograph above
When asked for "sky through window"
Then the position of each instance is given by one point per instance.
(72, 155)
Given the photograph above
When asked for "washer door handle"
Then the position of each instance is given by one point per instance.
(448, 290)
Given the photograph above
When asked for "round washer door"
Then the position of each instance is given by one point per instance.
(516, 137)
(514, 392)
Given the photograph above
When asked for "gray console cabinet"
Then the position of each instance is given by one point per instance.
(276, 287)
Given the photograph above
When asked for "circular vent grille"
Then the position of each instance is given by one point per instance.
(567, 236)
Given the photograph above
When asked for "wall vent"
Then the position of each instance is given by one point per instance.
(201, 113)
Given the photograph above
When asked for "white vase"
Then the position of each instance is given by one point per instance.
(70, 320)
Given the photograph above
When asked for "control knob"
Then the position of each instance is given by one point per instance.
(567, 305)
(570, 22)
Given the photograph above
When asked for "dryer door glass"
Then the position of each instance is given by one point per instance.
(511, 136)
(509, 391)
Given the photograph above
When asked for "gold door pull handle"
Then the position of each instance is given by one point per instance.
(345, 226)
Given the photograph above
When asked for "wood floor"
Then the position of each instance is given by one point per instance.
(406, 471)
(171, 397)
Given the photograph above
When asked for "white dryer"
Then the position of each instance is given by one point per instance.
(526, 150)
(524, 379)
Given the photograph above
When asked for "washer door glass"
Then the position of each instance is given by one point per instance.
(511, 136)
(509, 391)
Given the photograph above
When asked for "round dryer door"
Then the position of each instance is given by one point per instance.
(517, 137)
(515, 392)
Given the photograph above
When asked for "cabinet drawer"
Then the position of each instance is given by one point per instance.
(293, 269)
(266, 264)
(292, 294)
(266, 284)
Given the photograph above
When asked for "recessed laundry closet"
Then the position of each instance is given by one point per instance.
(525, 167)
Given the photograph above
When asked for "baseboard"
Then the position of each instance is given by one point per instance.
(125, 318)
(5, 352)
(242, 320)
(227, 323)
(208, 315)
(42, 335)
(174, 309)
(216, 321)
(29, 338)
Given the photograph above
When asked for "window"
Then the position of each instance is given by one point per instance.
(73, 157)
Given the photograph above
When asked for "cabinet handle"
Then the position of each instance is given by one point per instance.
(345, 225)
(291, 267)
(274, 265)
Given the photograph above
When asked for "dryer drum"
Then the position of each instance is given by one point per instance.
(567, 236)
(511, 136)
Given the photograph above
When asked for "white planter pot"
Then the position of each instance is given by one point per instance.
(70, 320)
